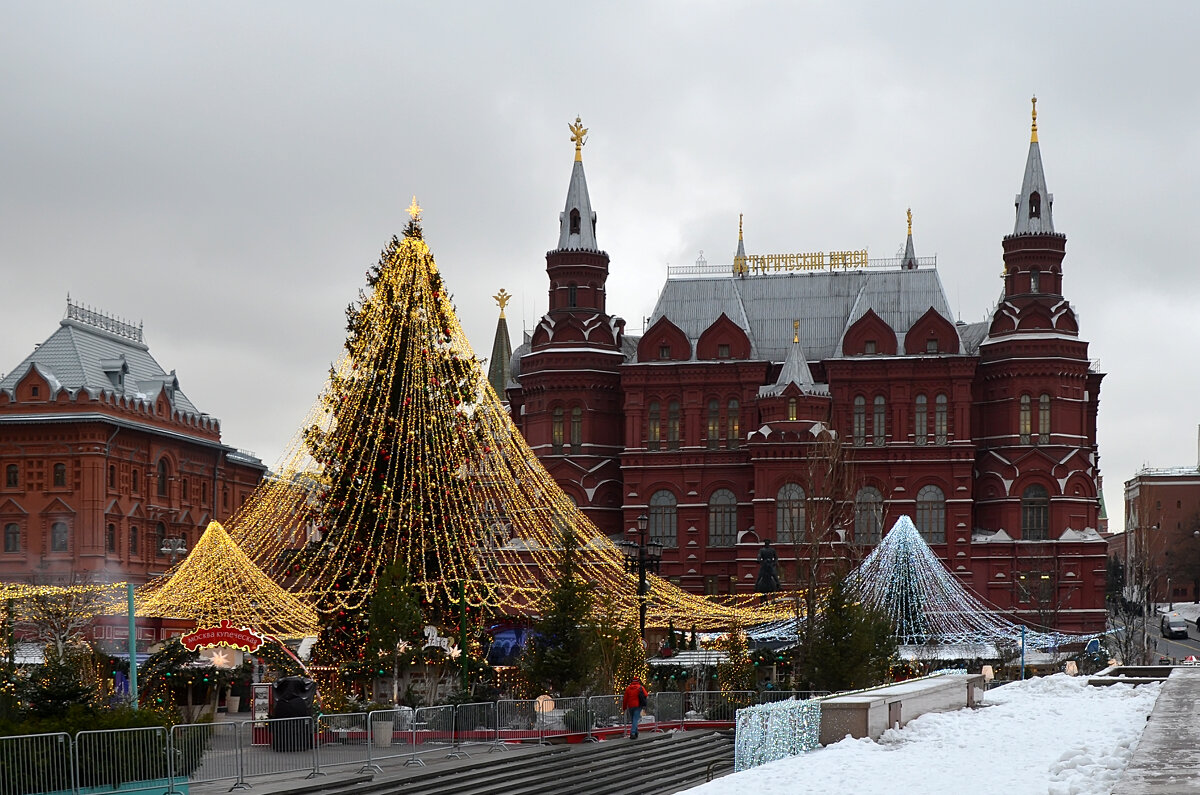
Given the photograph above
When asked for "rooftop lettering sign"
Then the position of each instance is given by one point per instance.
(225, 634)
(818, 260)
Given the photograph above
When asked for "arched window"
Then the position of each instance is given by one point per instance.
(112, 476)
(791, 408)
(574, 221)
(868, 515)
(133, 541)
(577, 430)
(12, 476)
(713, 429)
(673, 425)
(1035, 280)
(1044, 419)
(654, 429)
(878, 429)
(163, 477)
(733, 424)
(110, 538)
(12, 537)
(722, 519)
(663, 520)
(59, 537)
(556, 430)
(860, 421)
(1035, 205)
(921, 420)
(60, 475)
(572, 295)
(1035, 513)
(1026, 420)
(134, 486)
(160, 539)
(941, 420)
(931, 515)
(789, 514)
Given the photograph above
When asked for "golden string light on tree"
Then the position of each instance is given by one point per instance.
(409, 456)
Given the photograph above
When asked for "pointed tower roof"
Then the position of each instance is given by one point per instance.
(910, 256)
(1034, 202)
(795, 368)
(577, 222)
(500, 370)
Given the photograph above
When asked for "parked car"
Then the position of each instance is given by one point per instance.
(1173, 626)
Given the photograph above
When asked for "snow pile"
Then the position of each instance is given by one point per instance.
(1052, 734)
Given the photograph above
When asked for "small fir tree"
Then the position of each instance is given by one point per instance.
(394, 621)
(562, 654)
(736, 672)
(854, 646)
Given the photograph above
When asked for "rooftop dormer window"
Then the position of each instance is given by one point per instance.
(723, 351)
(664, 352)
(869, 347)
(931, 345)
(1035, 205)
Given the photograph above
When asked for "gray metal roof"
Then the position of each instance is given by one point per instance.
(1034, 181)
(75, 356)
(825, 302)
(794, 371)
(578, 199)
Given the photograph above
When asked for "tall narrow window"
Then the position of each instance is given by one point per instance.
(921, 420)
(1035, 513)
(112, 476)
(110, 538)
(12, 537)
(1026, 419)
(184, 487)
(574, 221)
(1035, 281)
(941, 430)
(577, 430)
(878, 429)
(133, 541)
(860, 421)
(673, 425)
(572, 295)
(713, 429)
(722, 519)
(134, 486)
(931, 515)
(203, 491)
(789, 514)
(60, 475)
(556, 430)
(1044, 419)
(58, 537)
(792, 408)
(733, 425)
(160, 539)
(868, 515)
(12, 476)
(663, 522)
(654, 429)
(163, 477)
(664, 352)
(1035, 205)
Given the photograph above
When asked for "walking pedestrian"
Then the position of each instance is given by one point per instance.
(633, 702)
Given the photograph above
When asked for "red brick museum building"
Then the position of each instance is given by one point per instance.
(104, 460)
(984, 433)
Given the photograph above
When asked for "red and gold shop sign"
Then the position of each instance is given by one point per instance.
(225, 634)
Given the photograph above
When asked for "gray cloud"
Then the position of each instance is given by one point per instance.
(227, 172)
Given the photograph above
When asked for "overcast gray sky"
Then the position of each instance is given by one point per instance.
(226, 172)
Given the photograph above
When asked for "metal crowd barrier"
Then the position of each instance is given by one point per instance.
(207, 752)
(567, 716)
(389, 728)
(34, 763)
(604, 712)
(278, 745)
(125, 760)
(475, 724)
(666, 707)
(715, 705)
(518, 720)
(771, 696)
(341, 739)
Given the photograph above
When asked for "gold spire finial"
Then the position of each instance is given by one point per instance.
(795, 331)
(1033, 135)
(579, 136)
(910, 222)
(739, 226)
(502, 298)
(414, 209)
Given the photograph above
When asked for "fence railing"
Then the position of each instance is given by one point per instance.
(162, 760)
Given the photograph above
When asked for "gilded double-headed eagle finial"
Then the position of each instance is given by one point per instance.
(502, 298)
(579, 136)
(1033, 134)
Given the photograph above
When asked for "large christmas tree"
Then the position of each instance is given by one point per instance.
(398, 454)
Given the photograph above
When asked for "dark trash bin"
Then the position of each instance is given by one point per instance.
(293, 698)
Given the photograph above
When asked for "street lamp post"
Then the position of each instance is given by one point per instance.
(640, 558)
(174, 548)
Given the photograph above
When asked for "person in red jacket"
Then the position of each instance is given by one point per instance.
(633, 701)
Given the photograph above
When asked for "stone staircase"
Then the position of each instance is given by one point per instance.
(654, 764)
